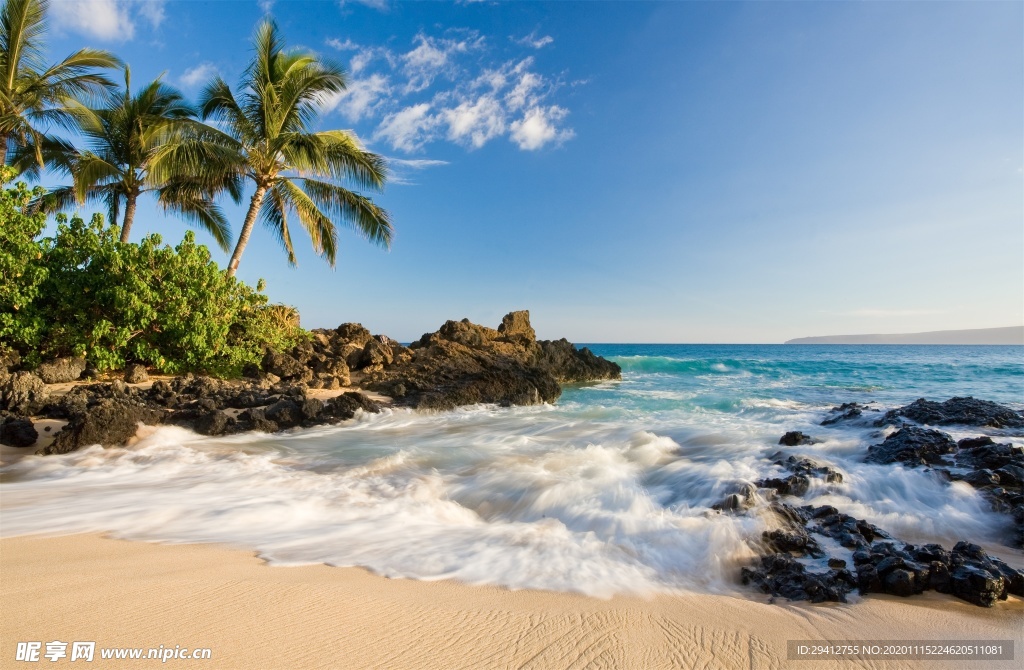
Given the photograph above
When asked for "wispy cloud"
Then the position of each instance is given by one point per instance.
(533, 40)
(112, 20)
(200, 74)
(442, 88)
(360, 98)
(407, 129)
(400, 168)
(265, 5)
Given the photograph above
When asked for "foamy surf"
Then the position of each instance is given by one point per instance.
(610, 491)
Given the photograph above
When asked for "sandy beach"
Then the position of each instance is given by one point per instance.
(251, 615)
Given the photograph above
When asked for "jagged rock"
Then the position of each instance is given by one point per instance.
(515, 327)
(351, 333)
(795, 438)
(61, 370)
(782, 575)
(22, 392)
(464, 363)
(913, 446)
(18, 432)
(570, 365)
(846, 412)
(737, 502)
(283, 365)
(883, 564)
(135, 373)
(962, 411)
(807, 467)
(109, 422)
(794, 485)
(375, 353)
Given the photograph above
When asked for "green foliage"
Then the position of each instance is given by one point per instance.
(87, 293)
(22, 271)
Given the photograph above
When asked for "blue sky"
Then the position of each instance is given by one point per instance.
(643, 171)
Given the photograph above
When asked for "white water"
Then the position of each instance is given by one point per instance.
(569, 498)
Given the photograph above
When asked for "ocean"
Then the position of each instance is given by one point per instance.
(609, 490)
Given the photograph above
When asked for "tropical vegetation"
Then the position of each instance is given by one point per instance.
(74, 285)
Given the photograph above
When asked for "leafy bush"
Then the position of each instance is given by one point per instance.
(89, 294)
(22, 271)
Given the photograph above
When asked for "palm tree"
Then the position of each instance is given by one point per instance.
(294, 170)
(34, 95)
(140, 143)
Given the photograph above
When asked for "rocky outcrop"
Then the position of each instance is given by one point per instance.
(461, 364)
(956, 411)
(465, 363)
(913, 446)
(61, 370)
(882, 563)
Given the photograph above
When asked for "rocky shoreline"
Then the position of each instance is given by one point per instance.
(325, 380)
(820, 554)
(811, 552)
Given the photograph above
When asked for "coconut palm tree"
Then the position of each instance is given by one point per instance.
(145, 142)
(34, 95)
(294, 169)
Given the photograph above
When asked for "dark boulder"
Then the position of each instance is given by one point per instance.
(913, 446)
(18, 432)
(794, 485)
(782, 575)
(283, 365)
(135, 373)
(22, 392)
(61, 370)
(961, 411)
(109, 422)
(795, 438)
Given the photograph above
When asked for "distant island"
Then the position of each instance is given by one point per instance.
(1008, 335)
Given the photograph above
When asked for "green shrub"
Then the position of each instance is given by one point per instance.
(91, 295)
(22, 270)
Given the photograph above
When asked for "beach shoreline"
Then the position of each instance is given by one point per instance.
(89, 587)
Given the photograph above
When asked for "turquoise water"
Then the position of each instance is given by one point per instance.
(610, 490)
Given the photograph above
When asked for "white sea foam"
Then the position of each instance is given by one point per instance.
(608, 492)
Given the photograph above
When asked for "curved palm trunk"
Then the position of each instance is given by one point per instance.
(129, 216)
(250, 220)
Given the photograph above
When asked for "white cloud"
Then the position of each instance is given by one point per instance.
(375, 4)
(435, 90)
(153, 11)
(265, 5)
(532, 40)
(103, 19)
(432, 57)
(475, 122)
(524, 94)
(347, 45)
(108, 19)
(409, 128)
(198, 75)
(360, 98)
(538, 127)
(417, 163)
(401, 166)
